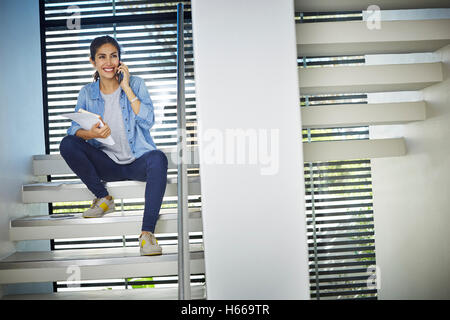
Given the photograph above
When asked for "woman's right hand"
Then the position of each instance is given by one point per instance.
(103, 132)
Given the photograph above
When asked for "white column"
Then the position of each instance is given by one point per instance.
(251, 160)
(21, 126)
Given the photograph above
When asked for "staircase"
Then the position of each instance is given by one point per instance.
(120, 262)
(389, 65)
(313, 39)
(103, 263)
(406, 34)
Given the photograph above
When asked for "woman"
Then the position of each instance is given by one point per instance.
(126, 110)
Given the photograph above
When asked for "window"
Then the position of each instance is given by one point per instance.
(339, 209)
(338, 193)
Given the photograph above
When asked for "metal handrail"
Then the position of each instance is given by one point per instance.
(184, 274)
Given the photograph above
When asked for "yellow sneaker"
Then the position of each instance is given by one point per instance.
(149, 245)
(99, 208)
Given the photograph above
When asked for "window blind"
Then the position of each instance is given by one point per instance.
(311, 17)
(339, 209)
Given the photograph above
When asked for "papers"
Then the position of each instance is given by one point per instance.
(86, 120)
(60, 216)
(56, 216)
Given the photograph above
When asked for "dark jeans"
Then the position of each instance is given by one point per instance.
(92, 166)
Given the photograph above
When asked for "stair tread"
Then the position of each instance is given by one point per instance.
(359, 5)
(197, 292)
(79, 184)
(369, 78)
(353, 149)
(47, 164)
(69, 191)
(56, 156)
(86, 257)
(115, 217)
(342, 115)
(355, 38)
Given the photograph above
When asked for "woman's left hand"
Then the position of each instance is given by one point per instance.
(125, 83)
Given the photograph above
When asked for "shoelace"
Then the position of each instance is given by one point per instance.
(151, 238)
(94, 203)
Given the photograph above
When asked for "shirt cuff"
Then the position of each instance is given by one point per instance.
(73, 129)
(142, 116)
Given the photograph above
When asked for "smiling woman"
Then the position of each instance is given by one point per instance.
(105, 51)
(147, 48)
(126, 113)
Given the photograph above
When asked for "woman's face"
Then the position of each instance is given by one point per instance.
(106, 61)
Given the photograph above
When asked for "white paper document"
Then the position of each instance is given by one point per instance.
(86, 120)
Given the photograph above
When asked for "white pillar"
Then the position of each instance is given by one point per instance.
(251, 160)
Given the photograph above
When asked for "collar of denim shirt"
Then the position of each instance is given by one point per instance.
(94, 90)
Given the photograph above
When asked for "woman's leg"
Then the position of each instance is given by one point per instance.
(152, 168)
(89, 164)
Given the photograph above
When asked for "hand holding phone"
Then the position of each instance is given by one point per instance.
(123, 75)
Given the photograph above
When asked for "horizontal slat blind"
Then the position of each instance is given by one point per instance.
(339, 210)
(146, 31)
(310, 17)
(129, 283)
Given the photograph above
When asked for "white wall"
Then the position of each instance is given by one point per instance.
(412, 202)
(21, 115)
(253, 212)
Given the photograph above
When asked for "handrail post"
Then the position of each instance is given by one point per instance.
(184, 274)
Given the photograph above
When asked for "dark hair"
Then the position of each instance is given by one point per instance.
(97, 43)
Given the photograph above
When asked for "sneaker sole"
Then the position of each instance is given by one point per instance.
(109, 211)
(152, 254)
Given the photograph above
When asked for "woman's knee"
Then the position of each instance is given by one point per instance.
(157, 158)
(68, 144)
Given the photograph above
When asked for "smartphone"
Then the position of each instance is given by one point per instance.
(119, 75)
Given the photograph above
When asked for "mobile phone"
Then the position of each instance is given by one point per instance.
(119, 75)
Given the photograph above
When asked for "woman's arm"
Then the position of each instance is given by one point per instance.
(140, 100)
(125, 84)
(95, 132)
(81, 104)
(136, 104)
(84, 134)
(146, 116)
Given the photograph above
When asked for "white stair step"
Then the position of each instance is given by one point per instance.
(353, 149)
(359, 5)
(355, 38)
(54, 163)
(110, 263)
(369, 78)
(347, 115)
(77, 191)
(61, 226)
(198, 292)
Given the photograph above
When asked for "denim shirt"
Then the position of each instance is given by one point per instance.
(137, 126)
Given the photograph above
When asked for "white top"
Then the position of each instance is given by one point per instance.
(120, 152)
